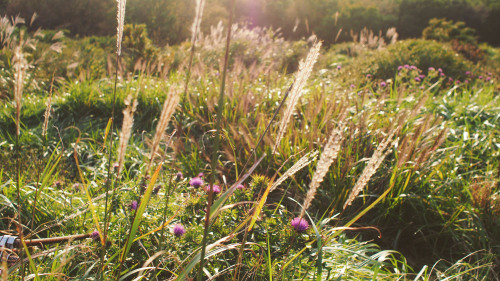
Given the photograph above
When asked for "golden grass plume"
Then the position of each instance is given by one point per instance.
(128, 122)
(168, 110)
(195, 28)
(372, 166)
(120, 16)
(301, 163)
(305, 69)
(329, 155)
(20, 65)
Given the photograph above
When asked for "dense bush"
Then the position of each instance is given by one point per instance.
(423, 54)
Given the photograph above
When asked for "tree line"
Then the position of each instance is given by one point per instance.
(169, 21)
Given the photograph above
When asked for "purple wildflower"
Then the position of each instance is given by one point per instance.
(413, 67)
(179, 176)
(299, 224)
(488, 79)
(58, 184)
(440, 69)
(468, 73)
(200, 175)
(368, 75)
(431, 68)
(179, 230)
(421, 76)
(400, 67)
(417, 79)
(215, 188)
(457, 81)
(480, 77)
(339, 67)
(450, 79)
(383, 84)
(95, 235)
(353, 86)
(466, 81)
(441, 74)
(240, 186)
(196, 182)
(406, 66)
(133, 205)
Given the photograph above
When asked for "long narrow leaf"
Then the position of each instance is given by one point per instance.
(84, 184)
(139, 213)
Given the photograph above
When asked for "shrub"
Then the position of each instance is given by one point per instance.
(463, 38)
(423, 54)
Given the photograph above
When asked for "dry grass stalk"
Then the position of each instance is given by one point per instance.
(168, 109)
(128, 122)
(120, 16)
(195, 28)
(330, 153)
(370, 169)
(20, 66)
(303, 162)
(46, 115)
(305, 69)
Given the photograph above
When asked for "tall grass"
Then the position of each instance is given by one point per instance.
(395, 154)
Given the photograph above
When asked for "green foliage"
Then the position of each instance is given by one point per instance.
(444, 148)
(423, 54)
(446, 31)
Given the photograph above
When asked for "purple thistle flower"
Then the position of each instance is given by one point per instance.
(215, 188)
(421, 76)
(383, 84)
(413, 67)
(133, 205)
(406, 66)
(466, 81)
(179, 230)
(440, 69)
(240, 186)
(480, 77)
(457, 81)
(368, 75)
(300, 224)
(339, 67)
(431, 68)
(441, 74)
(179, 176)
(196, 182)
(400, 67)
(95, 235)
(353, 86)
(200, 175)
(468, 73)
(417, 79)
(488, 79)
(450, 79)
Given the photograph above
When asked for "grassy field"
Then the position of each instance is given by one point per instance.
(387, 168)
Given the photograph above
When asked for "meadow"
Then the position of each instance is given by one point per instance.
(240, 155)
